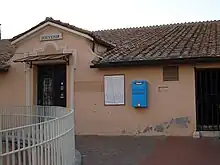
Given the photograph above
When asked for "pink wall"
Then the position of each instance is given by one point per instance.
(177, 101)
(91, 116)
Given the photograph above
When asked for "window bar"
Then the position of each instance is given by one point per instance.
(197, 99)
(211, 96)
(217, 103)
(207, 101)
(201, 103)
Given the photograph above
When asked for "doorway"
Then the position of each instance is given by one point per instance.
(51, 85)
(207, 99)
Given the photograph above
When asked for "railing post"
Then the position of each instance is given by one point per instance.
(1, 158)
(1, 122)
(73, 131)
(33, 137)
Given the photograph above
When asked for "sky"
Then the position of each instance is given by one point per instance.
(16, 16)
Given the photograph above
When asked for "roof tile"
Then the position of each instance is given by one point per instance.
(173, 41)
(185, 40)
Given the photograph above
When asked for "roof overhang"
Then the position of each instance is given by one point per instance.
(34, 30)
(195, 60)
(38, 59)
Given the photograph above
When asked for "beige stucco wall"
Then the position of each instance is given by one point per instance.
(91, 116)
(12, 87)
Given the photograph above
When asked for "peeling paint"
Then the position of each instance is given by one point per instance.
(148, 129)
(181, 122)
(159, 128)
(123, 131)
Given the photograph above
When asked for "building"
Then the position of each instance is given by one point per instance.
(55, 63)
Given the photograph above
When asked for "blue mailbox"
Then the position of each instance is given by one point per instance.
(139, 94)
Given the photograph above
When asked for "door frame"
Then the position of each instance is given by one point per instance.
(196, 70)
(53, 66)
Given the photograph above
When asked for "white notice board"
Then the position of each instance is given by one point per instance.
(114, 90)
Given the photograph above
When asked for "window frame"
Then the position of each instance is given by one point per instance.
(176, 71)
(114, 104)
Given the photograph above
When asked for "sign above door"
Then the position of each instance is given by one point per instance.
(49, 37)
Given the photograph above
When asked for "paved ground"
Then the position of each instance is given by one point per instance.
(127, 150)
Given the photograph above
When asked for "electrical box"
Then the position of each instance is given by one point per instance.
(139, 94)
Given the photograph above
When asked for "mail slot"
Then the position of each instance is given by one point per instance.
(139, 94)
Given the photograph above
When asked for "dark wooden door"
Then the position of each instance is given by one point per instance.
(52, 85)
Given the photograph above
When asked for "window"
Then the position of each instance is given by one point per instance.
(114, 90)
(170, 73)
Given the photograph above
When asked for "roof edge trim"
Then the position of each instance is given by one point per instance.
(157, 62)
(46, 24)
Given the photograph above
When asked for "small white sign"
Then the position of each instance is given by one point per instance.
(49, 37)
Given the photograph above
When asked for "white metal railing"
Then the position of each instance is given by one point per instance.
(37, 135)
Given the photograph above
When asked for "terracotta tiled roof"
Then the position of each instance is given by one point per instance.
(165, 42)
(7, 50)
(185, 41)
(6, 53)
